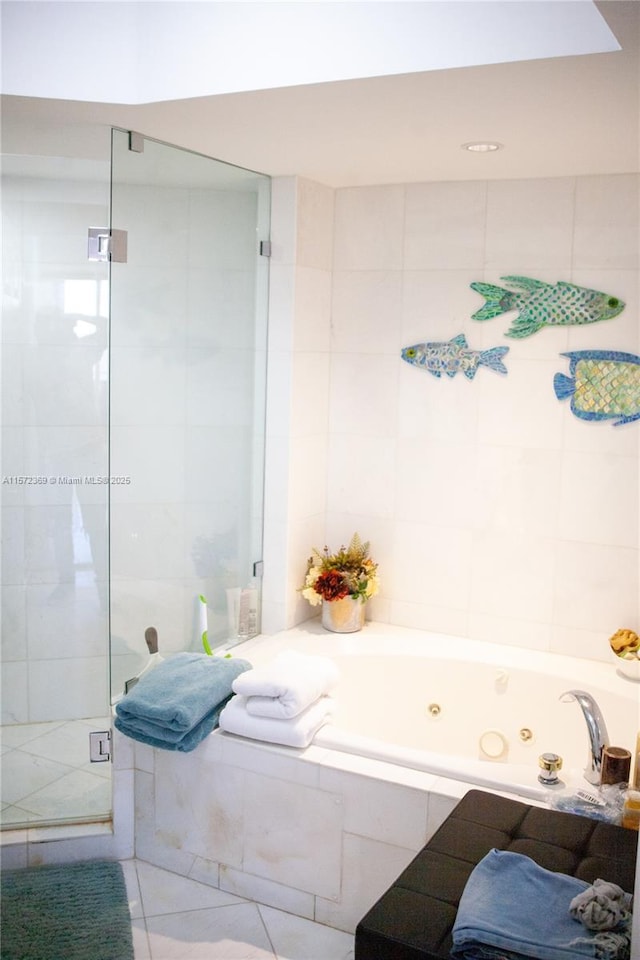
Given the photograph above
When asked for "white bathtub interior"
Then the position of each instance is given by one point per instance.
(468, 710)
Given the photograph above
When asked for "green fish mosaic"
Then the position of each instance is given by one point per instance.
(602, 385)
(543, 304)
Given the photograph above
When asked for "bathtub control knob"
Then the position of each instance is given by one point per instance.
(549, 764)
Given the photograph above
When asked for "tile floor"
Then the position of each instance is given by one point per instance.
(47, 776)
(175, 918)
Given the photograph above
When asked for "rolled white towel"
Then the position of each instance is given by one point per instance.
(297, 732)
(287, 685)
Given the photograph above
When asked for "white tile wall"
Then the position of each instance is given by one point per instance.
(492, 510)
(298, 391)
(606, 223)
(369, 224)
(54, 633)
(444, 226)
(182, 366)
(529, 227)
(368, 869)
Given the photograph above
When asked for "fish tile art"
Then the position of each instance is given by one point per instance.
(543, 304)
(451, 356)
(602, 385)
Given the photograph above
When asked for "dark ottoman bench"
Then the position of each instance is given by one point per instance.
(414, 918)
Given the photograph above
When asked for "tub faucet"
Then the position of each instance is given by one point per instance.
(598, 736)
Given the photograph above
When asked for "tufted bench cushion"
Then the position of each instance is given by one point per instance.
(414, 918)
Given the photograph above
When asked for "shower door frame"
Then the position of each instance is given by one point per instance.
(193, 293)
(112, 834)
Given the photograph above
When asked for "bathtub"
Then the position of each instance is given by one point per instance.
(420, 718)
(470, 711)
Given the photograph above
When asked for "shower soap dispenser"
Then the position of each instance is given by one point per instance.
(253, 606)
(249, 611)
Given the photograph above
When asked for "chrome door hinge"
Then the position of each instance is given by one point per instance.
(100, 746)
(104, 244)
(265, 248)
(136, 142)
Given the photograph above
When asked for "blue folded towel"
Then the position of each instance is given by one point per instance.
(178, 703)
(513, 909)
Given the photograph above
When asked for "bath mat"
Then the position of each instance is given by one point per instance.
(75, 911)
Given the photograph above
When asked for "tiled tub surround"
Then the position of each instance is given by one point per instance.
(493, 511)
(321, 832)
(315, 833)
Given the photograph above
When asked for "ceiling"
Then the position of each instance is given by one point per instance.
(567, 115)
(176, 49)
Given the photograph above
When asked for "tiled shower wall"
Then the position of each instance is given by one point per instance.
(54, 414)
(493, 511)
(182, 413)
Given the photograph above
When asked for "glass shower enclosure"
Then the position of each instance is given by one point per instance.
(133, 364)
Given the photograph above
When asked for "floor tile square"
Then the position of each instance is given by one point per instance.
(221, 933)
(295, 938)
(163, 892)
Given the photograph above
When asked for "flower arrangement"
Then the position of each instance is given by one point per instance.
(348, 573)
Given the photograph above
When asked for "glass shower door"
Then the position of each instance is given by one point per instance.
(54, 590)
(187, 373)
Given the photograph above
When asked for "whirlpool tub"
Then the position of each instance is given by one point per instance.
(420, 719)
(462, 709)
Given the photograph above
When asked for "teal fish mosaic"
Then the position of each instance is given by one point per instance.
(543, 304)
(453, 356)
(602, 385)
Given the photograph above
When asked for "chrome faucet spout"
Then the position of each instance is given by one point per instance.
(597, 728)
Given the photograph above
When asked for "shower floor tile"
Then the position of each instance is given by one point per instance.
(24, 774)
(65, 744)
(18, 734)
(47, 775)
(77, 794)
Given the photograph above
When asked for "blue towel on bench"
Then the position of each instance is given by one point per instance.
(178, 703)
(512, 909)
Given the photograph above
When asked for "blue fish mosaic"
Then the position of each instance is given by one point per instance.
(454, 356)
(543, 304)
(602, 385)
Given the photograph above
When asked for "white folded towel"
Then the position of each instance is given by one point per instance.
(287, 685)
(297, 732)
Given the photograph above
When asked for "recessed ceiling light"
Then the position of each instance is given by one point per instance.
(482, 146)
